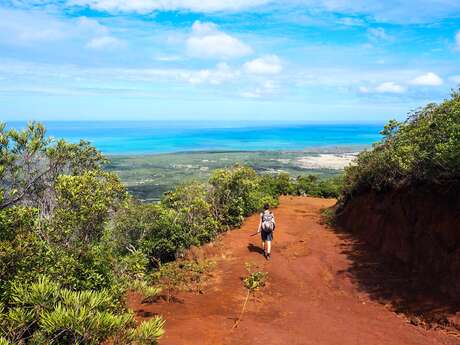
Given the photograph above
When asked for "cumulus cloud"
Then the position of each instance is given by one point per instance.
(390, 87)
(269, 64)
(428, 79)
(147, 6)
(208, 42)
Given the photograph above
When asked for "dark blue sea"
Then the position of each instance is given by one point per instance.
(165, 137)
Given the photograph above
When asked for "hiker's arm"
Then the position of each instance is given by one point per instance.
(259, 228)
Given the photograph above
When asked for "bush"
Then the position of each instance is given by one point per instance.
(277, 184)
(194, 212)
(238, 192)
(45, 313)
(423, 149)
(313, 186)
(151, 228)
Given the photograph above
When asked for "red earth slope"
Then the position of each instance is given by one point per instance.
(313, 295)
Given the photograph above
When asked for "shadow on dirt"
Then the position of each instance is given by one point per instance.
(393, 284)
(255, 249)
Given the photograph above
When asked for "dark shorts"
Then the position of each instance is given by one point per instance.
(266, 236)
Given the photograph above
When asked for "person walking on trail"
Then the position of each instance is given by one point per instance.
(266, 228)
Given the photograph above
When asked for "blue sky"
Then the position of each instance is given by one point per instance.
(290, 60)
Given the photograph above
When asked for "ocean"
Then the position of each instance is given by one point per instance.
(132, 137)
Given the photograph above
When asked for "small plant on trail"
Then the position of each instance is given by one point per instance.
(255, 280)
(252, 282)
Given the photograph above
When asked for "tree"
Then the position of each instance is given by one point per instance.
(30, 163)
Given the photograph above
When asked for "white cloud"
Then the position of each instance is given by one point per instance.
(390, 87)
(379, 34)
(104, 42)
(19, 27)
(147, 6)
(24, 27)
(269, 64)
(207, 41)
(91, 26)
(428, 79)
(222, 73)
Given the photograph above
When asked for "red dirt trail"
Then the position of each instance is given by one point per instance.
(312, 296)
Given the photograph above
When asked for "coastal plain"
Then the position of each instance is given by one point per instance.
(149, 176)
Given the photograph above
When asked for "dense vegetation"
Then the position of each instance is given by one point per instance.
(423, 149)
(72, 240)
(62, 278)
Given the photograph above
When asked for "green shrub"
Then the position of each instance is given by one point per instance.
(46, 313)
(151, 228)
(277, 184)
(423, 149)
(238, 192)
(313, 186)
(84, 204)
(194, 212)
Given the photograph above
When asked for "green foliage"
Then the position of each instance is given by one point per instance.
(148, 292)
(194, 212)
(151, 228)
(84, 203)
(255, 279)
(30, 164)
(423, 149)
(282, 184)
(147, 332)
(48, 314)
(279, 184)
(313, 186)
(328, 216)
(56, 223)
(182, 275)
(237, 193)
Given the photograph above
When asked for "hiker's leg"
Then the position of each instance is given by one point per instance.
(263, 246)
(269, 247)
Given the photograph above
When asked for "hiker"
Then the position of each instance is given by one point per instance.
(266, 229)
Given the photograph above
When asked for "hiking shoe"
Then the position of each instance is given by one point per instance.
(267, 256)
